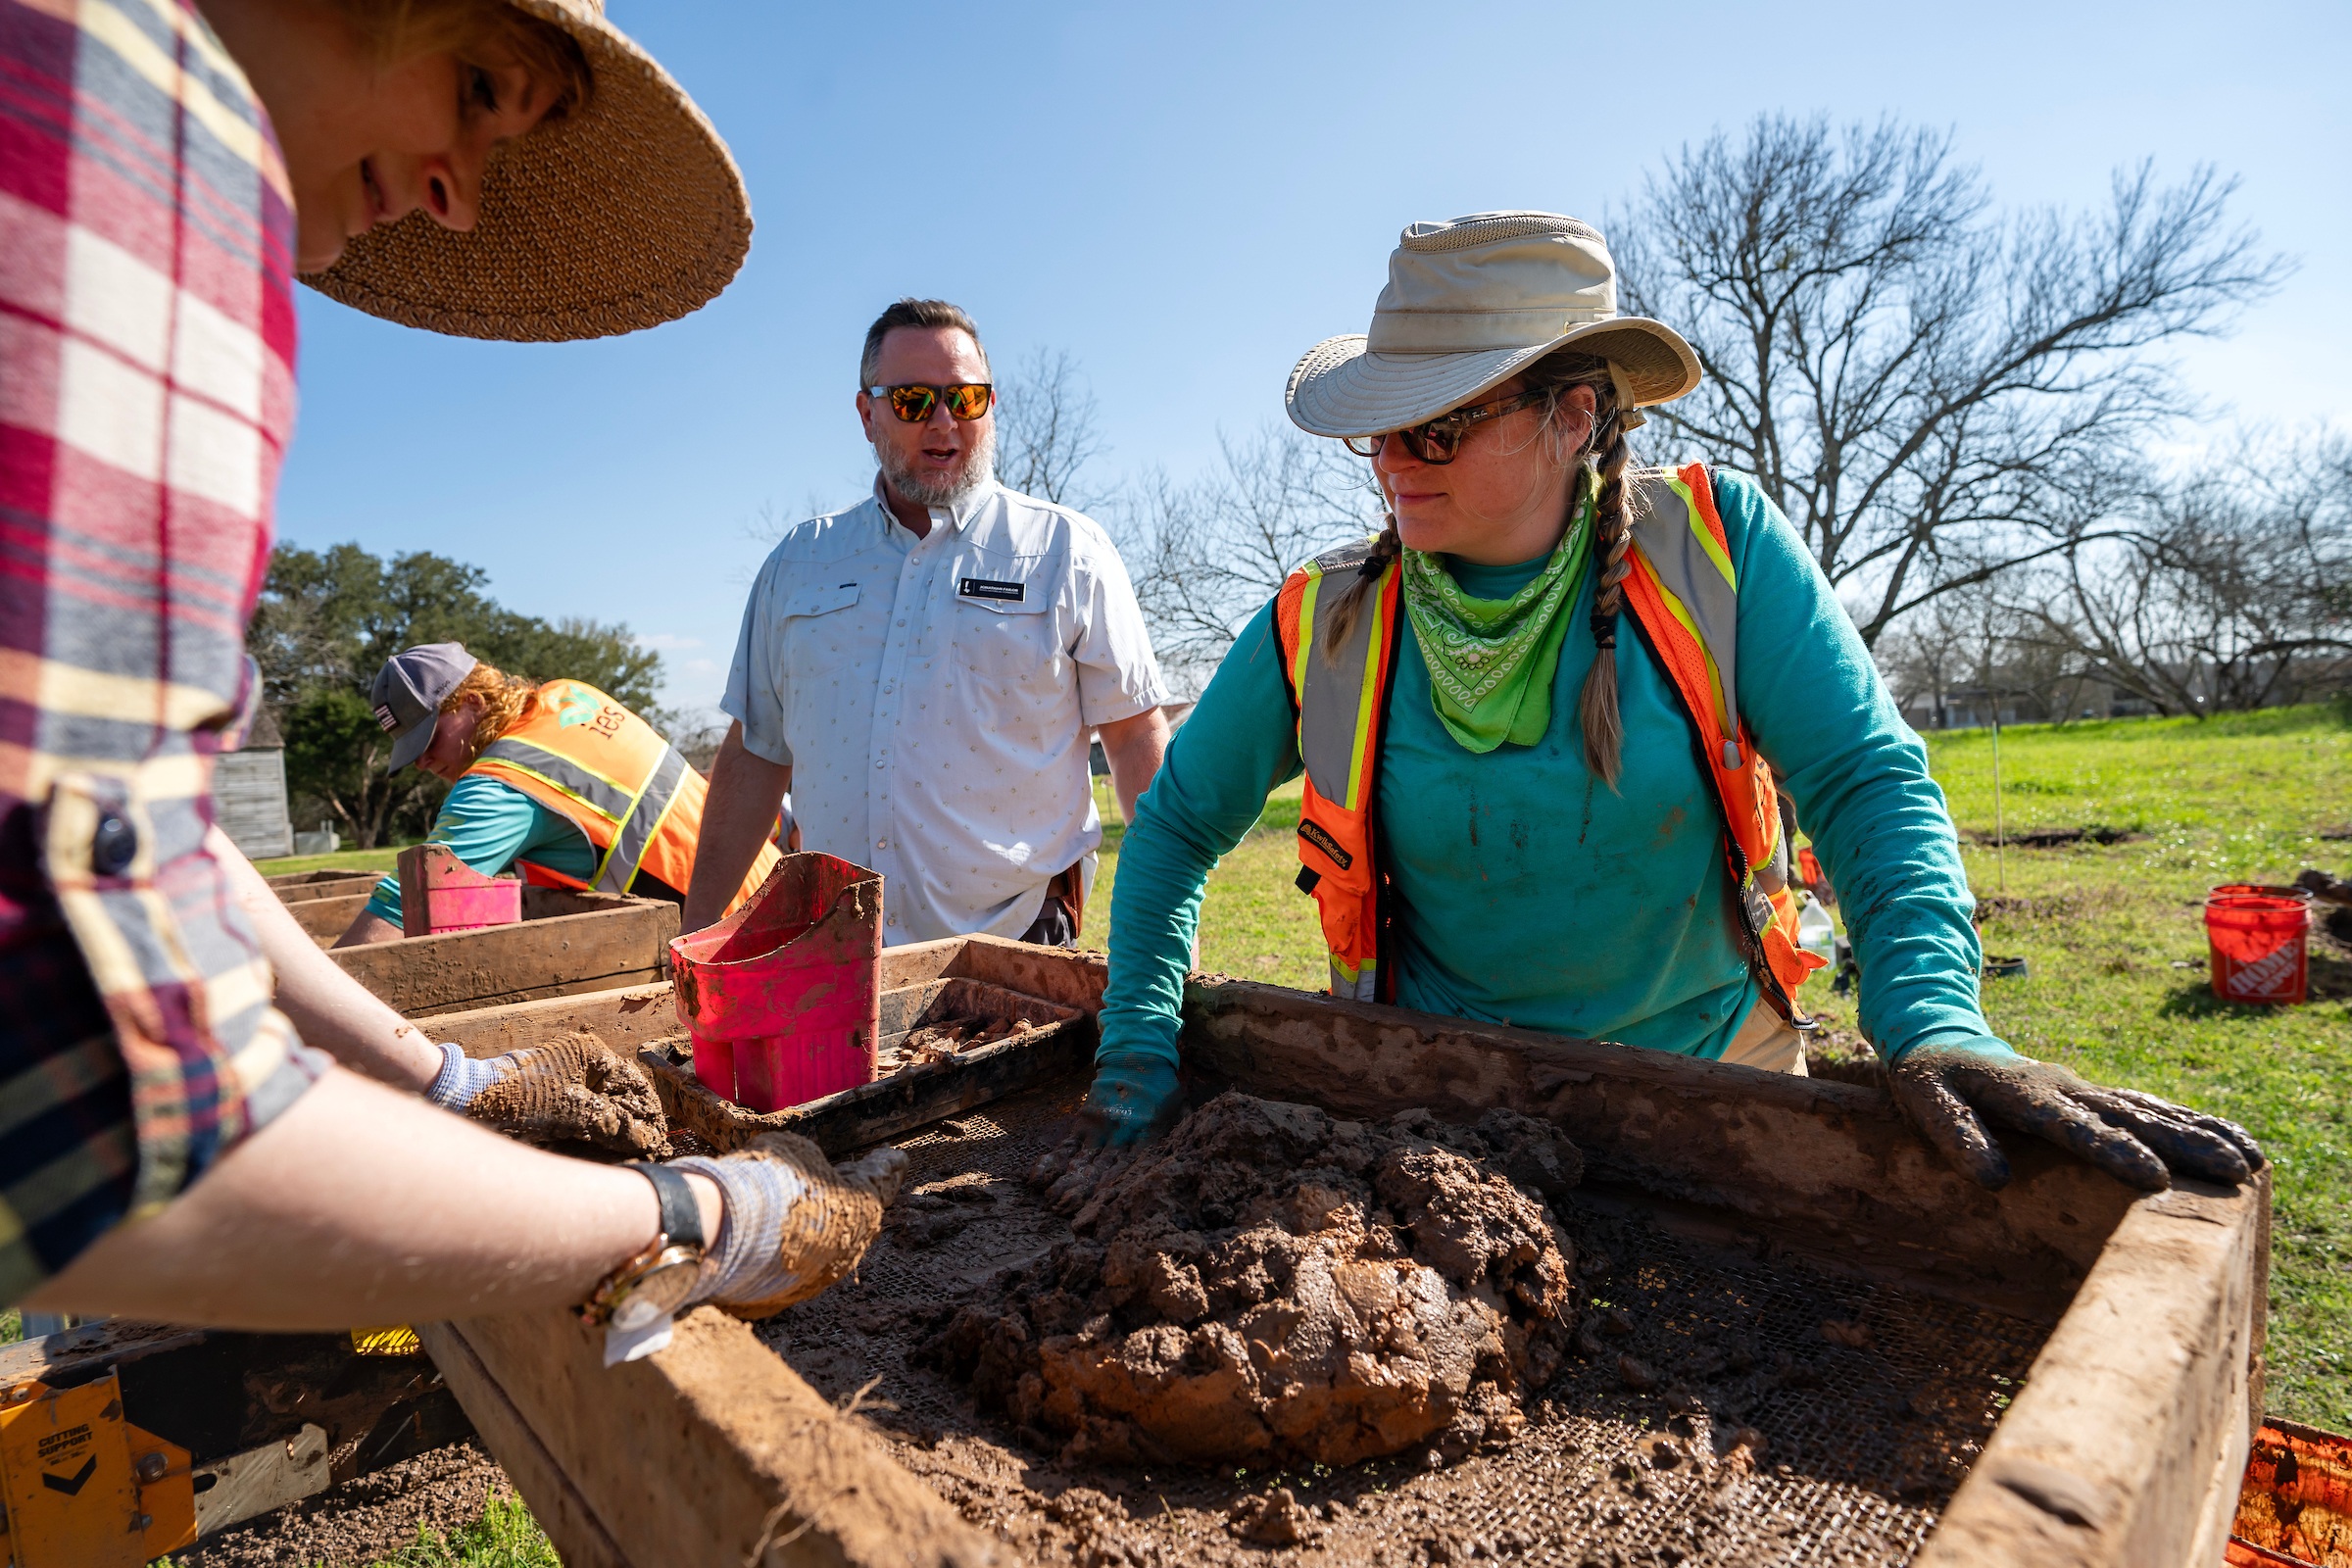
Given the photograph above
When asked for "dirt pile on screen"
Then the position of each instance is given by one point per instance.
(1267, 1283)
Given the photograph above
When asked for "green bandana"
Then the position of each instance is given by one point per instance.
(1492, 661)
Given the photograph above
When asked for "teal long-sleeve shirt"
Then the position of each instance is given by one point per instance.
(1530, 892)
(490, 824)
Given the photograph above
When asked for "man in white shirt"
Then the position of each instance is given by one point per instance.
(921, 671)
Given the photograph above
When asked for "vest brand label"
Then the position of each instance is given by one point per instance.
(1314, 833)
(983, 588)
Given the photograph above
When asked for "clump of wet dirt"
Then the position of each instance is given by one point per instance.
(1269, 1283)
(949, 1038)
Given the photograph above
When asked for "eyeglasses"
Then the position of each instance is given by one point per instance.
(914, 402)
(1440, 440)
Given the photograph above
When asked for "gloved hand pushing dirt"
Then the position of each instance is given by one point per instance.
(573, 1089)
(795, 1222)
(1267, 1283)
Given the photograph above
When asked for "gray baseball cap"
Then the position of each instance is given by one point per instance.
(409, 691)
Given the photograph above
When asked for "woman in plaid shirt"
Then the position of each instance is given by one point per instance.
(176, 1142)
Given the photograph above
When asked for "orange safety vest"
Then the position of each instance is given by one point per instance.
(589, 759)
(1684, 594)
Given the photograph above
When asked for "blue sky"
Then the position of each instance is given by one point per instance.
(1185, 198)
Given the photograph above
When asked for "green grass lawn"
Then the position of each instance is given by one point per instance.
(2115, 943)
(377, 860)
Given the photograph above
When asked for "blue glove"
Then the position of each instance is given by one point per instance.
(1132, 1094)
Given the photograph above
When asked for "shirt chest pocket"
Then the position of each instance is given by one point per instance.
(816, 631)
(999, 623)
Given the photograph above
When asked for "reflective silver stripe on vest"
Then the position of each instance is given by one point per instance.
(1663, 528)
(1333, 699)
(636, 833)
(1364, 987)
(607, 798)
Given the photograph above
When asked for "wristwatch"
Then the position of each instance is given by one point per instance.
(657, 1281)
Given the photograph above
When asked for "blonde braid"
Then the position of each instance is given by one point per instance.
(1612, 545)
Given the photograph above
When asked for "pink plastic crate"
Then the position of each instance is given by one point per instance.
(440, 893)
(779, 996)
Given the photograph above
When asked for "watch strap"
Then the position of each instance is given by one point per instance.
(681, 1214)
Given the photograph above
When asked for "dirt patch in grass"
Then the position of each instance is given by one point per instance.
(2056, 838)
(365, 1520)
(2066, 905)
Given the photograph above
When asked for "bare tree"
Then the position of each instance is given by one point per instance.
(1929, 389)
(1205, 555)
(1047, 428)
(2226, 589)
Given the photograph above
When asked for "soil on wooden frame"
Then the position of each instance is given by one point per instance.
(1732, 1409)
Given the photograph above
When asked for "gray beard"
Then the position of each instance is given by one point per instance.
(939, 490)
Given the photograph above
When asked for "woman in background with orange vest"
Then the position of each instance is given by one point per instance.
(1545, 719)
(553, 778)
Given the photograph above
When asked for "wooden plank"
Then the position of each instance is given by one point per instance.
(328, 918)
(1058, 975)
(623, 1017)
(619, 942)
(507, 1429)
(299, 887)
(262, 1480)
(2127, 1445)
(711, 1452)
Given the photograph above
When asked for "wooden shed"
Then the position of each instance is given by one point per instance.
(249, 793)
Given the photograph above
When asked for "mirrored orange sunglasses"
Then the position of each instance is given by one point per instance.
(914, 401)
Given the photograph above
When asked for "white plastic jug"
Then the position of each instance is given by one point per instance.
(1816, 932)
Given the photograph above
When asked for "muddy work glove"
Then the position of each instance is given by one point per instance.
(1950, 1093)
(1132, 1097)
(793, 1222)
(572, 1090)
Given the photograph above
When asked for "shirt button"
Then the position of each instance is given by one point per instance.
(114, 846)
(881, 843)
(881, 762)
(901, 622)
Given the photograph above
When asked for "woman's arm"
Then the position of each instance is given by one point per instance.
(487, 823)
(329, 1009)
(1239, 743)
(1859, 777)
(1813, 698)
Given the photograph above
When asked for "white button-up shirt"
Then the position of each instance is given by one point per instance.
(933, 697)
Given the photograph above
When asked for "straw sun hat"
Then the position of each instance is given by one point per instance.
(1471, 302)
(623, 214)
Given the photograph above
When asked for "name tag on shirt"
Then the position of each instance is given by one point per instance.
(983, 588)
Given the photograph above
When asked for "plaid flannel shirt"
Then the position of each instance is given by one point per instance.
(146, 395)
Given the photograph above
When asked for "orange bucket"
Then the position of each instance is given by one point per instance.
(2260, 945)
(2294, 1509)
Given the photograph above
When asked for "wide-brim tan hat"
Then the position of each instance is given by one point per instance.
(624, 213)
(1469, 304)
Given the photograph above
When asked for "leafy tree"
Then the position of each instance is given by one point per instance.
(329, 618)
